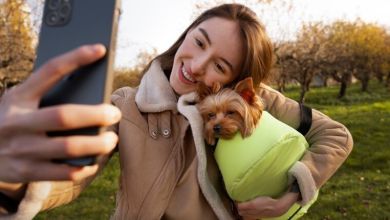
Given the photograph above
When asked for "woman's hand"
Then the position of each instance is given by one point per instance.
(267, 207)
(26, 151)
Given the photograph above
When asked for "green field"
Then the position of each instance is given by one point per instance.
(359, 190)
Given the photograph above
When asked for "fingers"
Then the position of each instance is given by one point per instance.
(246, 209)
(66, 117)
(79, 146)
(29, 158)
(64, 147)
(258, 207)
(52, 71)
(245, 205)
(33, 161)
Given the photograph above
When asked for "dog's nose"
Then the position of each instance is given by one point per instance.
(217, 128)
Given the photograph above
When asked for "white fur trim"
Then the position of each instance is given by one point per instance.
(155, 93)
(32, 202)
(196, 122)
(307, 186)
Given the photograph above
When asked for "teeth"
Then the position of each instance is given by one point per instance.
(187, 75)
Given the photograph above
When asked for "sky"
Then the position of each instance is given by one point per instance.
(157, 24)
(148, 24)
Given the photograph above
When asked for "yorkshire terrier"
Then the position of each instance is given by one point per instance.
(226, 111)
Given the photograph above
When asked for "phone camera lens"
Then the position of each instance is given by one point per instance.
(52, 18)
(65, 10)
(54, 4)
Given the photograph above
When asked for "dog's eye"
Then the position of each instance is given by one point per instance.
(229, 112)
(211, 115)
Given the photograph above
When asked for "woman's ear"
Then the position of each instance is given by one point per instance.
(216, 87)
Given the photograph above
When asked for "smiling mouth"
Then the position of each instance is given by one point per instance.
(185, 76)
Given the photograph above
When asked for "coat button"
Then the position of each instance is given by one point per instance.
(154, 134)
(166, 133)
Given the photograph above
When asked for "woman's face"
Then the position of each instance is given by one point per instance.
(211, 52)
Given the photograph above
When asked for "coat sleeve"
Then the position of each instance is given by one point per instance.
(330, 142)
(45, 195)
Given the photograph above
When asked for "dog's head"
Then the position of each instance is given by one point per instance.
(226, 111)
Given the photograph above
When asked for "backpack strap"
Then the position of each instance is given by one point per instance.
(306, 119)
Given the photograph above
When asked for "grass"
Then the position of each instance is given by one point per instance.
(359, 190)
(96, 202)
(361, 187)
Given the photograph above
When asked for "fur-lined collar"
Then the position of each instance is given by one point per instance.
(155, 93)
(187, 108)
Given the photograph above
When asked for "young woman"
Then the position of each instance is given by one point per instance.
(163, 174)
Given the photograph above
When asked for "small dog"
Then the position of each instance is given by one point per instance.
(226, 111)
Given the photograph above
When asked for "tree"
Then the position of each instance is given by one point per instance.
(358, 49)
(16, 52)
(143, 59)
(369, 45)
(337, 54)
(285, 67)
(385, 67)
(132, 76)
(299, 60)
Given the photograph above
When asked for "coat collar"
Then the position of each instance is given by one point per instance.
(189, 110)
(155, 93)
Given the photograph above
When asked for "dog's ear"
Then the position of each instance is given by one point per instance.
(203, 91)
(245, 84)
(246, 90)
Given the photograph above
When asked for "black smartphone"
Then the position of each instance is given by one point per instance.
(66, 25)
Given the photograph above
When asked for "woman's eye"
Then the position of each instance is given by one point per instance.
(199, 43)
(219, 67)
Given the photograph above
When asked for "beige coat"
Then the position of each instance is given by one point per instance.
(166, 171)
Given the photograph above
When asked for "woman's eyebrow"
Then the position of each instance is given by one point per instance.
(206, 35)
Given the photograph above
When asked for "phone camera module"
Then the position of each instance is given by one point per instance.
(58, 12)
(64, 11)
(54, 4)
(52, 18)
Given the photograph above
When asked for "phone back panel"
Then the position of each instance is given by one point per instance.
(68, 24)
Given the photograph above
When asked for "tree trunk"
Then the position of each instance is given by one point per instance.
(365, 80)
(307, 85)
(379, 77)
(388, 80)
(343, 90)
(365, 85)
(281, 85)
(302, 93)
(325, 82)
(344, 84)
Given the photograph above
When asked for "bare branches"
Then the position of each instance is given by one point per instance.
(341, 51)
(16, 53)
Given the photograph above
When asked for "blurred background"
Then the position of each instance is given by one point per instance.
(332, 55)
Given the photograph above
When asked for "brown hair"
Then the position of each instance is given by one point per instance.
(258, 50)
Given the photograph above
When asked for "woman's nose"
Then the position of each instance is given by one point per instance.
(198, 66)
